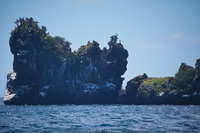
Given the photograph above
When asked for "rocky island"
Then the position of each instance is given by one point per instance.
(46, 71)
(183, 89)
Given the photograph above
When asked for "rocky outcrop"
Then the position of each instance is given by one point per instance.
(46, 71)
(134, 84)
(196, 82)
(184, 88)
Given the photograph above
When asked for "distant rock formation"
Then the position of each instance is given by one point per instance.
(182, 89)
(46, 71)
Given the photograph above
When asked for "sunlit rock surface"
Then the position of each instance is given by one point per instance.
(182, 89)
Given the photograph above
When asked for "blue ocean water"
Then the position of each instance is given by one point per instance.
(99, 118)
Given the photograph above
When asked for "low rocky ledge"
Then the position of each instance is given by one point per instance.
(183, 89)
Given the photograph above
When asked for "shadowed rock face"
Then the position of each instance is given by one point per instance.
(45, 71)
(133, 85)
(196, 83)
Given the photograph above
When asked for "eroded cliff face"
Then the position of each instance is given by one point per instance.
(46, 71)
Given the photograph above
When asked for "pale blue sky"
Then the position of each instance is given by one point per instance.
(158, 34)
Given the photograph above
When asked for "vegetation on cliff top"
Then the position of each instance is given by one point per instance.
(158, 84)
(182, 80)
(29, 32)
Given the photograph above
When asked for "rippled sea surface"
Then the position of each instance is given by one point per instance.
(99, 118)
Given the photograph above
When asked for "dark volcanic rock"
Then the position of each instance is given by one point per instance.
(196, 82)
(46, 71)
(134, 84)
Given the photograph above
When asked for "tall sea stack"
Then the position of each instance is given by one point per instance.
(46, 71)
